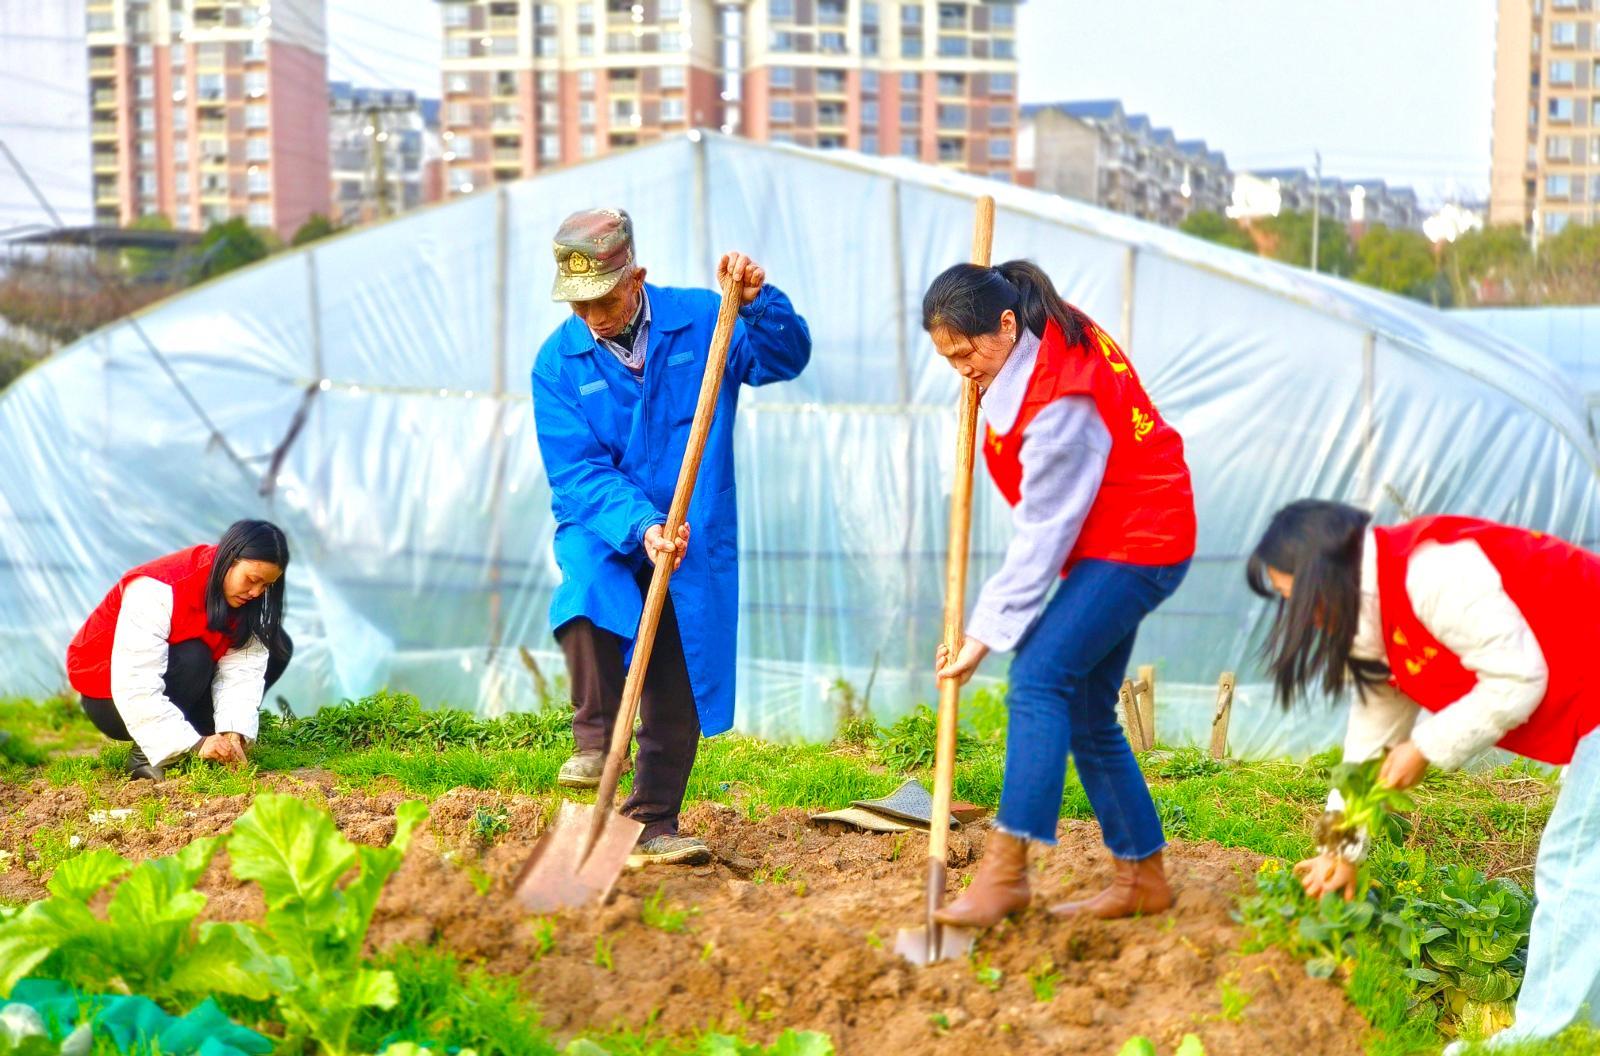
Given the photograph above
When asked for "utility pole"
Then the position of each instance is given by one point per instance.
(1316, 211)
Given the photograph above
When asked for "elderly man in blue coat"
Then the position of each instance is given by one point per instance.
(614, 392)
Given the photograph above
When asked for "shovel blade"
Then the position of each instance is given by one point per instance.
(557, 875)
(948, 944)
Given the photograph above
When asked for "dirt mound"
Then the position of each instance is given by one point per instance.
(790, 927)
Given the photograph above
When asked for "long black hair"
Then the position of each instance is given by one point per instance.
(261, 619)
(1319, 544)
(969, 299)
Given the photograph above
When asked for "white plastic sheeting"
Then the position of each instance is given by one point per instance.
(418, 509)
(1569, 337)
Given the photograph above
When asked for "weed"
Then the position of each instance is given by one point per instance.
(603, 953)
(1234, 1000)
(489, 825)
(874, 940)
(450, 1006)
(987, 974)
(657, 914)
(778, 875)
(480, 880)
(52, 845)
(858, 732)
(909, 744)
(1044, 979)
(940, 1021)
(707, 952)
(544, 937)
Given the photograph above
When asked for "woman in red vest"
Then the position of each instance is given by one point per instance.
(1103, 512)
(179, 655)
(1458, 634)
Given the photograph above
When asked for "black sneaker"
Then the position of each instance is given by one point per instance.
(669, 850)
(141, 769)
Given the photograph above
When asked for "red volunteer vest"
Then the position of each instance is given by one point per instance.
(187, 573)
(1557, 588)
(1144, 512)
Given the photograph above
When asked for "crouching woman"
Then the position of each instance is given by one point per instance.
(179, 655)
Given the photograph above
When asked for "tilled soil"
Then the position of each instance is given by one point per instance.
(791, 927)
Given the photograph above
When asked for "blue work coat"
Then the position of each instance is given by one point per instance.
(612, 448)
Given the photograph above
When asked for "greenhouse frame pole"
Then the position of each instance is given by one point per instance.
(497, 442)
(897, 273)
(1129, 263)
(1369, 368)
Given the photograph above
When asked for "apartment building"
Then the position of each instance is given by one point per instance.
(528, 85)
(206, 110)
(1358, 204)
(1546, 157)
(926, 79)
(531, 85)
(385, 152)
(1095, 151)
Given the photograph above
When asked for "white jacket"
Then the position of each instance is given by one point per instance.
(139, 665)
(1458, 596)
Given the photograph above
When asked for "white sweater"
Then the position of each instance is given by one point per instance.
(139, 665)
(1458, 596)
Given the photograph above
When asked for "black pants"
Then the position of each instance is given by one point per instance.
(190, 670)
(669, 731)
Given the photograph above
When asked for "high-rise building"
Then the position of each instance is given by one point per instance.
(1546, 159)
(1096, 152)
(384, 145)
(529, 85)
(206, 110)
(927, 79)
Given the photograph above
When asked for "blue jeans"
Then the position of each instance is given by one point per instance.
(1063, 699)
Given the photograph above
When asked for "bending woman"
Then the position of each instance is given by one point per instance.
(1103, 512)
(179, 655)
(1459, 634)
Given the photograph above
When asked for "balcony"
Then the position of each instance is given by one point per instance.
(104, 97)
(106, 161)
(103, 130)
(503, 24)
(505, 115)
(106, 194)
(102, 66)
(504, 156)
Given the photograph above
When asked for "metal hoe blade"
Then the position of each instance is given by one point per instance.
(557, 875)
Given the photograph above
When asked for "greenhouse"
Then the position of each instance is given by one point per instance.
(370, 393)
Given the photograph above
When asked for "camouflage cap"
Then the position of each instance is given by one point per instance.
(594, 249)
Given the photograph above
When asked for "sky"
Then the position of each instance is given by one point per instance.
(1400, 90)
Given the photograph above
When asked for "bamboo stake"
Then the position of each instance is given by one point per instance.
(1219, 721)
(1130, 716)
(1145, 697)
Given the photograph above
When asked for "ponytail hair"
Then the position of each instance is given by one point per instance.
(261, 619)
(969, 299)
(1319, 544)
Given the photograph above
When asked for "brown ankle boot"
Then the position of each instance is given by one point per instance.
(1000, 888)
(1137, 887)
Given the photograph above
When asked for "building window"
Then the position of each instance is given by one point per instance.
(1000, 149)
(456, 15)
(910, 113)
(180, 56)
(185, 214)
(1555, 223)
(952, 117)
(782, 111)
(869, 81)
(464, 147)
(1000, 116)
(147, 150)
(869, 45)
(869, 13)
(458, 83)
(1563, 34)
(142, 55)
(830, 12)
(910, 147)
(1561, 110)
(548, 14)
(672, 41)
(672, 108)
(255, 51)
(911, 47)
(953, 47)
(869, 112)
(911, 14)
(950, 150)
(831, 43)
(257, 182)
(1558, 185)
(257, 148)
(585, 44)
(830, 82)
(952, 84)
(585, 14)
(147, 120)
(147, 183)
(549, 147)
(180, 182)
(180, 152)
(830, 114)
(457, 47)
(1002, 16)
(586, 112)
(1002, 83)
(670, 9)
(549, 113)
(953, 16)
(781, 10)
(1561, 71)
(147, 87)
(547, 47)
(781, 77)
(672, 77)
(586, 80)
(586, 145)
(869, 143)
(180, 119)
(1003, 48)
(1559, 148)
(911, 82)
(255, 84)
(260, 214)
(781, 40)
(255, 116)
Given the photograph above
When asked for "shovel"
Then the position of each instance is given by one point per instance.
(933, 941)
(580, 858)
